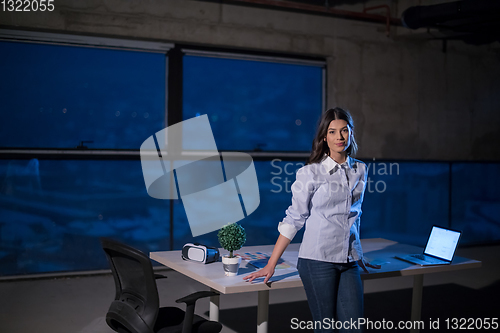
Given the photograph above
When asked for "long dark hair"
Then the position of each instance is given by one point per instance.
(319, 146)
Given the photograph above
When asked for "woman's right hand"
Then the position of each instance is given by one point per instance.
(267, 271)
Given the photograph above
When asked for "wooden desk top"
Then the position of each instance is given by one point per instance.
(378, 250)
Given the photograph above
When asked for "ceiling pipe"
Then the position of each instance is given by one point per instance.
(361, 16)
(387, 17)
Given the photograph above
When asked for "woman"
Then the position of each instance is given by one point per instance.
(327, 197)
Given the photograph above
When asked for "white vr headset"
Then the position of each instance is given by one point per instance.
(200, 253)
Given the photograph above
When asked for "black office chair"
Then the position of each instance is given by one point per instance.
(136, 305)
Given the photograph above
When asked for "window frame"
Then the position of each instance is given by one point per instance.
(174, 53)
(222, 53)
(32, 37)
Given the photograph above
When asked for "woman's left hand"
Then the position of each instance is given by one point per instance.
(363, 264)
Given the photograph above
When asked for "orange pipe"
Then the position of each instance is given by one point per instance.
(338, 12)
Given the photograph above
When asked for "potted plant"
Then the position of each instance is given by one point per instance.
(231, 238)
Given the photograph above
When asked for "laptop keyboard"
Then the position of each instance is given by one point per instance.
(418, 256)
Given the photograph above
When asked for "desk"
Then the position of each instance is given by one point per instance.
(376, 249)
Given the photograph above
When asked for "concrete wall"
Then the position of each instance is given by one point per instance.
(410, 100)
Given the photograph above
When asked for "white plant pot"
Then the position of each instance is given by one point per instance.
(231, 265)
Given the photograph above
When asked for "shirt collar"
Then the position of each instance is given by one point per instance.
(331, 166)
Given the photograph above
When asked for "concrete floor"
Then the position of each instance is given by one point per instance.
(79, 303)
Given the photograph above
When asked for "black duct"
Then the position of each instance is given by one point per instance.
(475, 21)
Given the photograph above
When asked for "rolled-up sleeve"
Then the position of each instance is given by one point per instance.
(296, 215)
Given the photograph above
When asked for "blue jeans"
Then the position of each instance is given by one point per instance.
(334, 292)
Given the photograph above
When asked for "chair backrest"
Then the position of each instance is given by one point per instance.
(136, 303)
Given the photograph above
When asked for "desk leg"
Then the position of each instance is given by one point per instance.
(263, 311)
(214, 307)
(416, 301)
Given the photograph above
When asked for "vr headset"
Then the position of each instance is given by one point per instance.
(200, 253)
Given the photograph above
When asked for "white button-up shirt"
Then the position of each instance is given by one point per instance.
(327, 198)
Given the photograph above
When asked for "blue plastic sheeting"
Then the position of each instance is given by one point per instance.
(476, 201)
(52, 213)
(262, 225)
(403, 200)
(57, 96)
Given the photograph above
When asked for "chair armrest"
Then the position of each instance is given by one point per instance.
(190, 301)
(160, 276)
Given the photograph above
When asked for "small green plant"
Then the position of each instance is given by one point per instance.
(232, 237)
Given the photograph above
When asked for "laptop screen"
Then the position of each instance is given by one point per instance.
(442, 243)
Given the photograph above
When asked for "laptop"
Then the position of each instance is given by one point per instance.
(440, 249)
